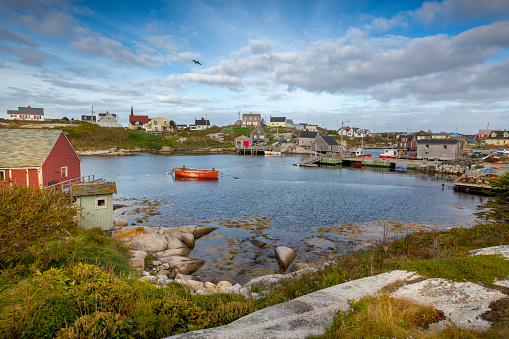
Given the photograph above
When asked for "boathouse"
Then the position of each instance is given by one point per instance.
(242, 142)
(325, 144)
(95, 202)
(258, 136)
(306, 138)
(36, 158)
(440, 149)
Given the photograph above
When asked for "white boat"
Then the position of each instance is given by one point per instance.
(272, 153)
(389, 153)
(359, 153)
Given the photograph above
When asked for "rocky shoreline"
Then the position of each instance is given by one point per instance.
(162, 256)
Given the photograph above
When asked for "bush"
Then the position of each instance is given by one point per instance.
(29, 216)
(104, 325)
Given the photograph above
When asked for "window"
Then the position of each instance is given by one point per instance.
(427, 146)
(445, 146)
(2, 176)
(101, 202)
(63, 172)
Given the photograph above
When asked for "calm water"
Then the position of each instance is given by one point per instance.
(317, 211)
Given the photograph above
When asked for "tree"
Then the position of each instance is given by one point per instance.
(497, 206)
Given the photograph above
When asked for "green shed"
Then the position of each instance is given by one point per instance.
(95, 203)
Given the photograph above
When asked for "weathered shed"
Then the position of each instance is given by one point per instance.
(258, 136)
(95, 203)
(307, 138)
(325, 144)
(242, 142)
(441, 149)
(36, 157)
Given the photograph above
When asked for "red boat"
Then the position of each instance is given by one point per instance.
(389, 154)
(196, 173)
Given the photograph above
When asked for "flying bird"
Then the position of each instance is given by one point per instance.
(196, 62)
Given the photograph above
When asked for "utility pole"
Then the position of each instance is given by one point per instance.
(341, 147)
(387, 134)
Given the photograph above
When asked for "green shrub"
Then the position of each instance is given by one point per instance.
(100, 325)
(29, 216)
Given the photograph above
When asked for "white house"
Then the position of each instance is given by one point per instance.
(108, 120)
(26, 113)
(200, 125)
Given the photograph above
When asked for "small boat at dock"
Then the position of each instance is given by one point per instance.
(196, 173)
(272, 153)
(389, 154)
(359, 153)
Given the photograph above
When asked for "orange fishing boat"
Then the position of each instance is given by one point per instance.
(196, 173)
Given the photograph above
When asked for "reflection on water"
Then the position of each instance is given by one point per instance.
(317, 211)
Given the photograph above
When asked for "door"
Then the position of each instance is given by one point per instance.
(19, 177)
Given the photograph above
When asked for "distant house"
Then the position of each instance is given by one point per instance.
(242, 142)
(325, 144)
(407, 142)
(277, 122)
(498, 138)
(306, 138)
(181, 126)
(485, 133)
(26, 113)
(441, 149)
(258, 136)
(291, 124)
(36, 158)
(441, 135)
(251, 120)
(158, 126)
(108, 120)
(200, 125)
(89, 118)
(354, 132)
(137, 121)
(311, 128)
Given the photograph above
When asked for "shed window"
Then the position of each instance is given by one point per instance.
(445, 146)
(101, 202)
(63, 172)
(2, 176)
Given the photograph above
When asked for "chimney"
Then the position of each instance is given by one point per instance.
(131, 110)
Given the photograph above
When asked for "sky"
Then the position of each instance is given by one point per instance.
(379, 65)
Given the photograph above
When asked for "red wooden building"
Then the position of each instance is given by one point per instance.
(36, 158)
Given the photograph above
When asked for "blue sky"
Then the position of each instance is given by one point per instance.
(392, 65)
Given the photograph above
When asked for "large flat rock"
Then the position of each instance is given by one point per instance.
(308, 315)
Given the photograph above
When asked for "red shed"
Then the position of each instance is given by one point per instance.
(36, 157)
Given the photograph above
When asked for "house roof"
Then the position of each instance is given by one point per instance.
(141, 118)
(251, 115)
(97, 188)
(409, 137)
(27, 111)
(202, 122)
(498, 135)
(308, 134)
(277, 119)
(330, 140)
(104, 114)
(26, 147)
(437, 141)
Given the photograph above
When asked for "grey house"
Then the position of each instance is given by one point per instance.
(258, 136)
(441, 149)
(325, 144)
(108, 120)
(306, 138)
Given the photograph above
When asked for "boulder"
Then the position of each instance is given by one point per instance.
(183, 265)
(137, 260)
(271, 281)
(188, 240)
(284, 256)
(201, 231)
(141, 238)
(149, 278)
(298, 266)
(223, 286)
(185, 277)
(184, 251)
(175, 243)
(258, 243)
(212, 288)
(195, 285)
(120, 222)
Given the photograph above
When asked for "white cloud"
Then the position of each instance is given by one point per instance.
(461, 10)
(183, 101)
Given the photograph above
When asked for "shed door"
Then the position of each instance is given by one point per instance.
(245, 143)
(19, 177)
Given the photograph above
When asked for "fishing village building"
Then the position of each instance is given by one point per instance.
(108, 120)
(137, 121)
(277, 122)
(440, 149)
(36, 158)
(306, 138)
(158, 126)
(251, 120)
(200, 125)
(407, 142)
(258, 136)
(26, 113)
(325, 144)
(498, 138)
